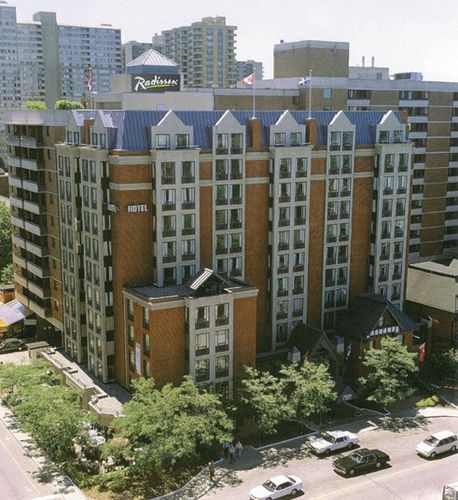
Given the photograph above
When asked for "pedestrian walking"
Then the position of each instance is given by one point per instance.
(211, 471)
(239, 449)
(226, 449)
(231, 453)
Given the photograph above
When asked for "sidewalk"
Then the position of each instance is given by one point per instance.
(63, 486)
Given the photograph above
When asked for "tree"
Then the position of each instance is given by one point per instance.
(390, 368)
(309, 388)
(264, 397)
(6, 253)
(172, 424)
(7, 275)
(445, 366)
(41, 106)
(66, 104)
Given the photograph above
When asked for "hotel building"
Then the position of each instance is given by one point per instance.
(184, 242)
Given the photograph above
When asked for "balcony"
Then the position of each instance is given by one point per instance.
(331, 238)
(189, 256)
(19, 162)
(169, 258)
(386, 213)
(284, 199)
(202, 323)
(298, 290)
(298, 268)
(235, 273)
(236, 175)
(332, 215)
(23, 141)
(222, 151)
(282, 269)
(221, 201)
(402, 190)
(388, 190)
(236, 224)
(301, 197)
(343, 237)
(397, 255)
(282, 292)
(400, 211)
(202, 351)
(168, 206)
(384, 256)
(285, 174)
(166, 233)
(299, 244)
(299, 221)
(222, 320)
(221, 250)
(236, 200)
(333, 194)
(282, 245)
(342, 259)
(345, 192)
(186, 179)
(402, 168)
(333, 171)
(283, 222)
(397, 276)
(383, 277)
(282, 314)
(188, 205)
(389, 169)
(220, 226)
(188, 230)
(222, 347)
(221, 176)
(168, 179)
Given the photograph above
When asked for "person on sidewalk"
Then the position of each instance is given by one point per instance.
(211, 471)
(231, 453)
(226, 449)
(239, 449)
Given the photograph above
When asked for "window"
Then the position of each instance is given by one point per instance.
(187, 172)
(236, 169)
(281, 335)
(398, 136)
(335, 141)
(168, 251)
(221, 219)
(131, 335)
(222, 143)
(182, 141)
(327, 93)
(301, 167)
(285, 168)
(282, 287)
(384, 136)
(188, 249)
(202, 344)
(168, 172)
(279, 139)
(236, 243)
(222, 366)
(163, 141)
(130, 307)
(236, 143)
(188, 224)
(146, 344)
(168, 225)
(187, 198)
(221, 170)
(145, 317)
(203, 317)
(347, 141)
(202, 370)
(222, 314)
(168, 199)
(295, 138)
(222, 341)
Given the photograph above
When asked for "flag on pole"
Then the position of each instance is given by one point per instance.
(304, 81)
(422, 353)
(89, 79)
(249, 80)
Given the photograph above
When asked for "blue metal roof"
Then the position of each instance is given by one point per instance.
(134, 127)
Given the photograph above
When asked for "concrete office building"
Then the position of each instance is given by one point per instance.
(164, 243)
(245, 68)
(45, 61)
(204, 51)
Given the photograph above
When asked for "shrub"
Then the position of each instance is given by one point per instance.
(445, 366)
(66, 104)
(41, 106)
(430, 401)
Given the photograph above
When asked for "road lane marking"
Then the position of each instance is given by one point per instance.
(19, 467)
(370, 481)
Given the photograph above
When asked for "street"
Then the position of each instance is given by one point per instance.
(19, 474)
(408, 476)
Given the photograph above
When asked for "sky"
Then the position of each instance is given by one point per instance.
(404, 35)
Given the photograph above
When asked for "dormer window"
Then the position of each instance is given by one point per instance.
(347, 141)
(182, 141)
(397, 136)
(236, 144)
(335, 141)
(279, 139)
(295, 138)
(384, 136)
(222, 144)
(162, 141)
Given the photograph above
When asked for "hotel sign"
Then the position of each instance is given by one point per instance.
(137, 208)
(155, 82)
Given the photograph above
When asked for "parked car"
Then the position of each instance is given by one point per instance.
(332, 441)
(277, 487)
(437, 443)
(12, 345)
(359, 461)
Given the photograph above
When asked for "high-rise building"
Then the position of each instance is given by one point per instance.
(165, 243)
(205, 52)
(245, 68)
(131, 50)
(45, 61)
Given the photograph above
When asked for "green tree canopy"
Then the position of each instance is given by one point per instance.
(262, 393)
(445, 366)
(171, 424)
(35, 105)
(390, 369)
(66, 104)
(7, 274)
(6, 251)
(309, 388)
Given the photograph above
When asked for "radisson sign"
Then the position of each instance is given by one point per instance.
(155, 82)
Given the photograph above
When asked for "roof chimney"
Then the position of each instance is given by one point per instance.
(364, 61)
(373, 61)
(281, 41)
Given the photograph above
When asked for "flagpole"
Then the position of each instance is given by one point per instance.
(254, 99)
(310, 94)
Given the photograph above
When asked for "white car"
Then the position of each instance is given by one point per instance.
(333, 440)
(277, 487)
(437, 443)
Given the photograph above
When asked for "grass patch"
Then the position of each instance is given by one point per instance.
(433, 400)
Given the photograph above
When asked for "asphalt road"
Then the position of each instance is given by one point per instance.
(408, 476)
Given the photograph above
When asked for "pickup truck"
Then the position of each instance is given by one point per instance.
(360, 461)
(332, 441)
